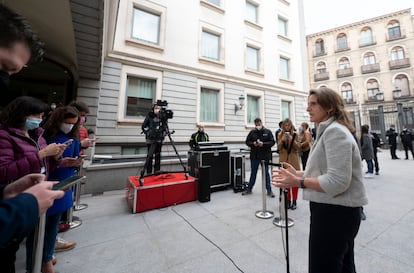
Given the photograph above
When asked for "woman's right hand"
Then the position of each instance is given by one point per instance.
(52, 149)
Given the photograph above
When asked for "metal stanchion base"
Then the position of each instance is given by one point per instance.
(279, 222)
(75, 223)
(264, 214)
(80, 207)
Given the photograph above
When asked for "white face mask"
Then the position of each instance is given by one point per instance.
(66, 127)
(156, 111)
(259, 127)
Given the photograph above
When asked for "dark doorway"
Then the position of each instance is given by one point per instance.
(47, 81)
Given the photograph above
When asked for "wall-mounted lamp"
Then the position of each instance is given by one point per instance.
(239, 106)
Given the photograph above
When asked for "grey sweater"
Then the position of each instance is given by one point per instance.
(335, 159)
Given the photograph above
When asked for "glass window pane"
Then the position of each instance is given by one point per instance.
(209, 105)
(140, 93)
(210, 45)
(285, 109)
(215, 2)
(252, 108)
(252, 58)
(251, 12)
(146, 26)
(284, 68)
(283, 27)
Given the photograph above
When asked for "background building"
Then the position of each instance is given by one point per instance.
(369, 64)
(202, 57)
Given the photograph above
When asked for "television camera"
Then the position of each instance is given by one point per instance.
(165, 114)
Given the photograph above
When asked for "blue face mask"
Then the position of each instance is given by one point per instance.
(32, 123)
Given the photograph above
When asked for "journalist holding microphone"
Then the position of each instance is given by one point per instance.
(332, 182)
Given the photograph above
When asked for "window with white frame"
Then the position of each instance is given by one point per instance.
(286, 109)
(369, 58)
(253, 108)
(209, 105)
(252, 58)
(284, 68)
(140, 93)
(210, 45)
(252, 12)
(146, 26)
(283, 26)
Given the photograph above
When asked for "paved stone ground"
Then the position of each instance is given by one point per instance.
(224, 235)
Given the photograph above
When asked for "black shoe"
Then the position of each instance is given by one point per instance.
(289, 204)
(247, 191)
(293, 207)
(270, 193)
(377, 173)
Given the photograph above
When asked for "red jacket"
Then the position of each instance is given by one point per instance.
(19, 155)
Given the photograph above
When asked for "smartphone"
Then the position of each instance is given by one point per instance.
(69, 141)
(82, 156)
(68, 182)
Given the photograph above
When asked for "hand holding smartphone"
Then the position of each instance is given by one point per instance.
(68, 142)
(68, 182)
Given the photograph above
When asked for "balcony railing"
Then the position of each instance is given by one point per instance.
(346, 72)
(397, 64)
(321, 76)
(349, 101)
(395, 36)
(367, 42)
(370, 68)
(319, 53)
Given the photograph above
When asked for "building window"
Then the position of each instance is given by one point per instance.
(369, 58)
(140, 94)
(286, 109)
(284, 68)
(319, 47)
(374, 120)
(321, 68)
(372, 89)
(341, 41)
(252, 12)
(344, 63)
(366, 37)
(283, 26)
(209, 105)
(252, 58)
(401, 82)
(394, 30)
(253, 108)
(210, 45)
(346, 91)
(146, 26)
(397, 53)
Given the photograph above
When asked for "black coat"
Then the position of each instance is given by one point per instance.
(392, 136)
(264, 135)
(406, 137)
(154, 128)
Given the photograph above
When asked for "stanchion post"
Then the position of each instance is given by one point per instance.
(264, 213)
(38, 242)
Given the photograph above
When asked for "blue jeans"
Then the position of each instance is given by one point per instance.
(254, 165)
(370, 165)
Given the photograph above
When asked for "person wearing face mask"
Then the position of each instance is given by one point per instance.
(199, 136)
(154, 132)
(23, 151)
(260, 140)
(61, 127)
(83, 109)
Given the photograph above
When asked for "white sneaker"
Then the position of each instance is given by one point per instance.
(369, 175)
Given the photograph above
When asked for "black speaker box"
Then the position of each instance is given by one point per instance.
(203, 186)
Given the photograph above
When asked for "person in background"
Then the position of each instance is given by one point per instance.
(288, 146)
(376, 144)
(367, 150)
(392, 141)
(61, 127)
(278, 130)
(305, 139)
(154, 131)
(83, 109)
(407, 140)
(333, 184)
(260, 140)
(199, 136)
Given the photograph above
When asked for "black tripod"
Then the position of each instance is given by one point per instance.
(151, 153)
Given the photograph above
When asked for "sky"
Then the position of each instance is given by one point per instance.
(322, 15)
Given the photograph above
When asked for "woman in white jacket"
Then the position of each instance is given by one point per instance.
(332, 182)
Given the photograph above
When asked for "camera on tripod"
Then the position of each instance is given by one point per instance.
(165, 113)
